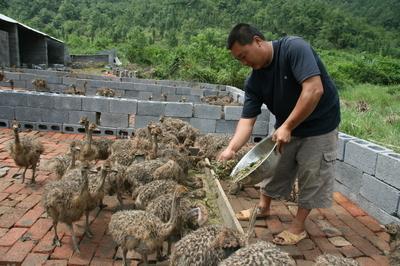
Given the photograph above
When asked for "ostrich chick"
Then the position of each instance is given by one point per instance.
(261, 253)
(25, 151)
(66, 200)
(89, 152)
(210, 244)
(329, 259)
(141, 231)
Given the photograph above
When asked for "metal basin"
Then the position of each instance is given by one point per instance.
(259, 163)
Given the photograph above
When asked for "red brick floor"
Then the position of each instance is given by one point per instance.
(26, 231)
(367, 240)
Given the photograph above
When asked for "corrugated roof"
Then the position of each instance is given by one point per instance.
(8, 19)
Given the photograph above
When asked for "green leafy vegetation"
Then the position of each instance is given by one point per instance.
(185, 39)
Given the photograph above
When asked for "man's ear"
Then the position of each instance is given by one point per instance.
(257, 40)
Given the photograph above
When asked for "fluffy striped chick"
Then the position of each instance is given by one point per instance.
(206, 246)
(62, 163)
(66, 200)
(142, 231)
(190, 215)
(332, 260)
(261, 253)
(210, 245)
(152, 190)
(25, 151)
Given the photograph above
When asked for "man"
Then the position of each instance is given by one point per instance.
(291, 80)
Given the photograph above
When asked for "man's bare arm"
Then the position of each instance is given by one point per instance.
(312, 90)
(241, 136)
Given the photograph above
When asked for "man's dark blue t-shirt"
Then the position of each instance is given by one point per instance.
(278, 85)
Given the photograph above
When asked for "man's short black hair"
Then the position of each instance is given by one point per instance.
(243, 34)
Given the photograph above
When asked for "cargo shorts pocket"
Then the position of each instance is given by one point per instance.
(330, 157)
(327, 169)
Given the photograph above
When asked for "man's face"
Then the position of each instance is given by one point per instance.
(251, 55)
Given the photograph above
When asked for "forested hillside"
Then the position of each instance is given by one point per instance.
(186, 38)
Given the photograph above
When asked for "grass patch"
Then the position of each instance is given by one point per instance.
(372, 113)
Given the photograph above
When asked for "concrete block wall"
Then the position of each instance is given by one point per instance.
(44, 111)
(369, 175)
(171, 91)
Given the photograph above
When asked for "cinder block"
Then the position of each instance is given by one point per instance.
(183, 91)
(42, 126)
(150, 108)
(192, 98)
(107, 131)
(260, 128)
(272, 118)
(126, 86)
(103, 84)
(233, 112)
(196, 92)
(71, 128)
(53, 79)
(114, 120)
(179, 109)
(4, 123)
(388, 168)
(339, 187)
(169, 90)
(41, 100)
(7, 112)
(68, 102)
(204, 125)
(264, 116)
(227, 127)
(57, 88)
(256, 138)
(29, 114)
(131, 94)
(90, 91)
(342, 140)
(349, 175)
(95, 104)
(142, 121)
(13, 98)
(145, 95)
(147, 87)
(125, 132)
(207, 111)
(75, 116)
(381, 194)
(210, 92)
(12, 75)
(376, 212)
(54, 116)
(123, 106)
(271, 128)
(28, 125)
(21, 84)
(362, 154)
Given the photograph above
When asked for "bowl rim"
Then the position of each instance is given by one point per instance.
(260, 162)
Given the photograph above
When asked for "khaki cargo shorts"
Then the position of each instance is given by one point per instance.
(311, 160)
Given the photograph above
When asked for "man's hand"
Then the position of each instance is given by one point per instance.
(281, 136)
(226, 155)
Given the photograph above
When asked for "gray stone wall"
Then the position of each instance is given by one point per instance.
(42, 110)
(5, 49)
(369, 174)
